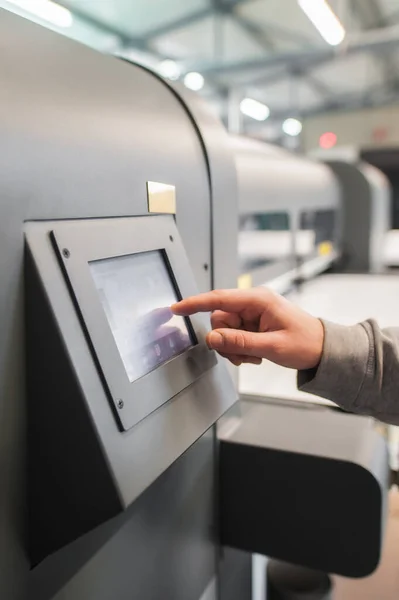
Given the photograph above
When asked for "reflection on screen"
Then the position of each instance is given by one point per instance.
(136, 292)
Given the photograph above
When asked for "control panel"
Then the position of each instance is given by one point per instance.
(122, 386)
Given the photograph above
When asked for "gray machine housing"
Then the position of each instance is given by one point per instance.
(366, 205)
(80, 137)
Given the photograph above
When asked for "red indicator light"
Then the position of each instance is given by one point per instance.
(327, 140)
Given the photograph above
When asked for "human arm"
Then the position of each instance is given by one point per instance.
(358, 370)
(356, 367)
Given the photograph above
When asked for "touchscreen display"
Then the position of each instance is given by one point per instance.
(136, 292)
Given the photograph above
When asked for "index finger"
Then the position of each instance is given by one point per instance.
(226, 300)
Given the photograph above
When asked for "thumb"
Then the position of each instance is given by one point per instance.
(244, 343)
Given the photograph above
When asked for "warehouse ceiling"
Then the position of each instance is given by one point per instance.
(270, 51)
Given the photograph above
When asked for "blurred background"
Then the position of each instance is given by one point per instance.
(293, 72)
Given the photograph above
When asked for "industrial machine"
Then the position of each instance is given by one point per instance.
(86, 156)
(121, 443)
(366, 208)
(386, 160)
(299, 216)
(368, 183)
(289, 215)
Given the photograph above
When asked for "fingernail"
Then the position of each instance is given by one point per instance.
(216, 340)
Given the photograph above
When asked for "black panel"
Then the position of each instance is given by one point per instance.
(297, 508)
(65, 456)
(160, 548)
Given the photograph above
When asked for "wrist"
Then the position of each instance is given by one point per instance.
(318, 344)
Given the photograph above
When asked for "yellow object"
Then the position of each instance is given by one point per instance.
(244, 281)
(161, 198)
(325, 248)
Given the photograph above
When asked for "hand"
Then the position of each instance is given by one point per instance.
(249, 325)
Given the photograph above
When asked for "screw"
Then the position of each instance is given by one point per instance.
(171, 238)
(120, 404)
(206, 266)
(66, 253)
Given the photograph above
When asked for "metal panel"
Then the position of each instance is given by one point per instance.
(94, 240)
(159, 439)
(161, 548)
(80, 134)
(161, 198)
(102, 121)
(235, 575)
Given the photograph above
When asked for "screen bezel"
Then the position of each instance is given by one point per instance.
(77, 244)
(163, 258)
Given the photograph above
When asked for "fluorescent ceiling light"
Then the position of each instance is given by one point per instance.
(254, 109)
(46, 10)
(169, 69)
(292, 127)
(324, 19)
(194, 81)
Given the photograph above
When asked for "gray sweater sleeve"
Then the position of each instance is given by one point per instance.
(359, 370)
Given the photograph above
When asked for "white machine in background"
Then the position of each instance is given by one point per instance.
(289, 215)
(391, 248)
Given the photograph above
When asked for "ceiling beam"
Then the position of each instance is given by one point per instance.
(264, 39)
(374, 17)
(177, 24)
(371, 98)
(257, 32)
(140, 42)
(366, 12)
(377, 41)
(254, 31)
(292, 63)
(286, 33)
(101, 25)
(393, 17)
(266, 29)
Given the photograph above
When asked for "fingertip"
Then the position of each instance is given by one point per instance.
(176, 309)
(235, 361)
(253, 360)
